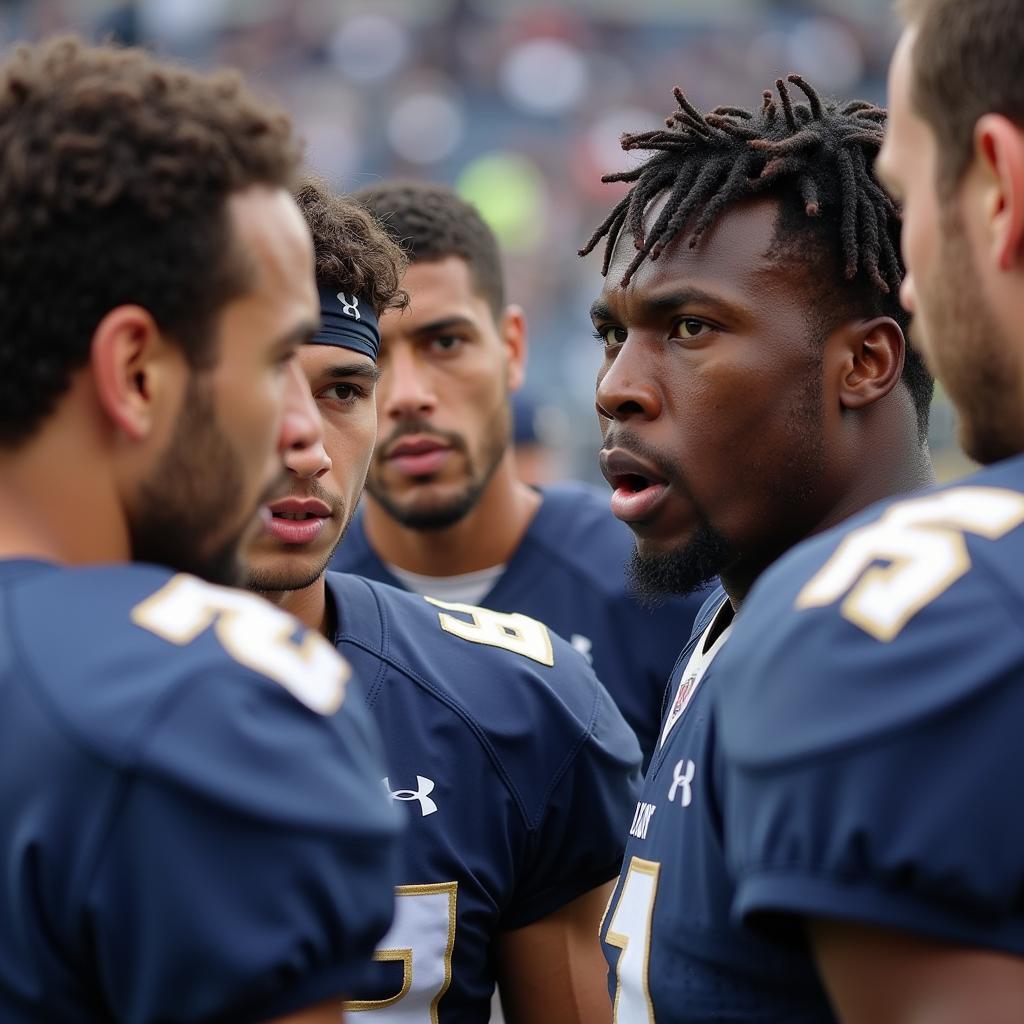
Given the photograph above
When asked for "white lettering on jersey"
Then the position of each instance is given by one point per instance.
(642, 820)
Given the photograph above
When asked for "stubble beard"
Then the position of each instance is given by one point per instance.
(440, 516)
(969, 351)
(195, 483)
(267, 581)
(708, 553)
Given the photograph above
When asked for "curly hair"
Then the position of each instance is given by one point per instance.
(115, 171)
(352, 251)
(431, 222)
(815, 158)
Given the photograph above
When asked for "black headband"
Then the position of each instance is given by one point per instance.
(347, 321)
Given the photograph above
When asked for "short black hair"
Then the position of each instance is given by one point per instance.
(351, 251)
(115, 171)
(815, 158)
(431, 222)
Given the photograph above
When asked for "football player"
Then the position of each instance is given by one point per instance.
(756, 388)
(445, 513)
(193, 828)
(871, 722)
(517, 771)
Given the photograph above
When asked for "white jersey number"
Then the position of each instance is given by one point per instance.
(922, 543)
(630, 930)
(254, 632)
(421, 938)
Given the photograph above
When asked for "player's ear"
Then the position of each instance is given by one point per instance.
(129, 362)
(998, 188)
(512, 328)
(869, 357)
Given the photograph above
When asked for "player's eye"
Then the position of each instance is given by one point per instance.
(446, 343)
(689, 328)
(344, 392)
(611, 335)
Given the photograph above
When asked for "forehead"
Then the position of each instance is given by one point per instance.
(909, 145)
(901, 114)
(270, 229)
(732, 259)
(442, 287)
(317, 360)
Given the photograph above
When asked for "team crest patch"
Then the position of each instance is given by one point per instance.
(683, 693)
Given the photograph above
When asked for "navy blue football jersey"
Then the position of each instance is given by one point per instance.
(518, 773)
(568, 572)
(193, 823)
(673, 952)
(871, 721)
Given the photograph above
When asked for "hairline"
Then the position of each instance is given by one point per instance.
(477, 290)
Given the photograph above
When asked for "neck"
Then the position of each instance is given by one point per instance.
(58, 503)
(905, 470)
(487, 535)
(308, 605)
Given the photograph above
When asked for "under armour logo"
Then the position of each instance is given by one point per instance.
(422, 794)
(682, 775)
(582, 644)
(349, 308)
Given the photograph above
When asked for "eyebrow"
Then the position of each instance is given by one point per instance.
(337, 371)
(444, 324)
(299, 334)
(665, 303)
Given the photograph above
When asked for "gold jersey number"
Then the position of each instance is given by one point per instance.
(421, 938)
(920, 543)
(254, 632)
(511, 632)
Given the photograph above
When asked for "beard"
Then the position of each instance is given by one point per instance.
(296, 576)
(792, 501)
(444, 513)
(196, 483)
(655, 577)
(967, 349)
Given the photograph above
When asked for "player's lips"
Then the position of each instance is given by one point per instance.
(297, 520)
(637, 487)
(417, 455)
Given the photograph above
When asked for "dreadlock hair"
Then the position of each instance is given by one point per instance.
(815, 158)
(351, 250)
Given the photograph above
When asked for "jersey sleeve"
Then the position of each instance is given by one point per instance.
(248, 869)
(873, 780)
(579, 841)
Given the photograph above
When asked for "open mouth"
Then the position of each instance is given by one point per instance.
(632, 483)
(297, 520)
(637, 489)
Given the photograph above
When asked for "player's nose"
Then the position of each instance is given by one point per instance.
(302, 430)
(406, 387)
(628, 388)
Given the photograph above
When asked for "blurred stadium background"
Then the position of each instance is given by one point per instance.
(517, 104)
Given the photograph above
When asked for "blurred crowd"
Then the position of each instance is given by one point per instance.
(517, 104)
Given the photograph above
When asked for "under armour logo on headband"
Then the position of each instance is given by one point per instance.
(350, 307)
(347, 321)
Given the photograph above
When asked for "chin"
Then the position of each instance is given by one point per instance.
(270, 575)
(659, 546)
